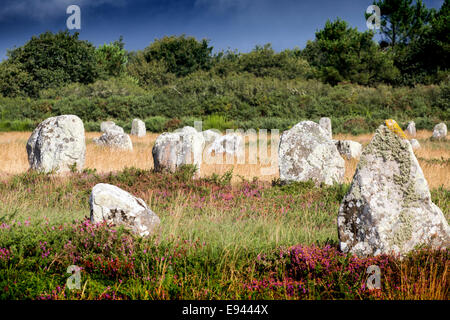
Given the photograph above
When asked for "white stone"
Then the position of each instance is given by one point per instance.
(118, 207)
(414, 144)
(440, 131)
(110, 126)
(395, 212)
(138, 128)
(57, 144)
(183, 147)
(411, 129)
(325, 123)
(348, 149)
(232, 144)
(114, 139)
(211, 135)
(307, 153)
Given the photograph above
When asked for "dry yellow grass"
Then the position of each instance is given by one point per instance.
(433, 158)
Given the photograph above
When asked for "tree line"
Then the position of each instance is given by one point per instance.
(414, 50)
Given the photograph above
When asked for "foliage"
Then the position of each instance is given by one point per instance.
(182, 55)
(111, 60)
(51, 60)
(341, 53)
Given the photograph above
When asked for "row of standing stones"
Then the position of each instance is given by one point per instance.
(388, 208)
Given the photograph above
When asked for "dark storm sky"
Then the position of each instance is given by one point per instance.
(233, 24)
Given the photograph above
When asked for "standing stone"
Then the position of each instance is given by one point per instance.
(348, 149)
(414, 144)
(110, 126)
(118, 207)
(306, 153)
(411, 129)
(325, 123)
(138, 128)
(114, 139)
(440, 131)
(232, 144)
(183, 147)
(211, 135)
(57, 143)
(388, 207)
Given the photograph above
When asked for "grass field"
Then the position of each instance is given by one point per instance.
(222, 236)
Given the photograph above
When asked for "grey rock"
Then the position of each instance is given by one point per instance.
(138, 128)
(211, 135)
(388, 208)
(411, 129)
(414, 144)
(232, 144)
(57, 144)
(440, 131)
(348, 149)
(306, 153)
(110, 126)
(325, 123)
(183, 147)
(114, 139)
(118, 207)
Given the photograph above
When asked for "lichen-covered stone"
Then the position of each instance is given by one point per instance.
(388, 207)
(348, 149)
(232, 144)
(114, 139)
(306, 153)
(118, 207)
(440, 131)
(183, 147)
(411, 129)
(325, 123)
(57, 144)
(138, 128)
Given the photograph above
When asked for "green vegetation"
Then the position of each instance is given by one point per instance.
(217, 241)
(343, 74)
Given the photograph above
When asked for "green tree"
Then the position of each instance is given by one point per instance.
(53, 60)
(111, 59)
(340, 53)
(182, 55)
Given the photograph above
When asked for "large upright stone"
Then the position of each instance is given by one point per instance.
(58, 144)
(118, 207)
(138, 128)
(388, 207)
(307, 153)
(349, 149)
(411, 129)
(114, 139)
(325, 123)
(440, 131)
(183, 147)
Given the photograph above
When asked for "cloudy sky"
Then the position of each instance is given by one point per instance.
(229, 24)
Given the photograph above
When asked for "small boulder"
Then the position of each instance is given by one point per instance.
(388, 208)
(440, 131)
(411, 129)
(183, 147)
(118, 207)
(307, 153)
(414, 144)
(114, 139)
(110, 126)
(325, 123)
(138, 128)
(348, 149)
(232, 144)
(57, 143)
(211, 135)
